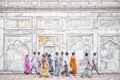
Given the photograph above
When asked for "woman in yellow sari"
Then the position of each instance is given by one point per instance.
(73, 64)
(45, 69)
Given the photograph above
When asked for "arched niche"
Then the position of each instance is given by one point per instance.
(49, 47)
(80, 48)
(49, 42)
(110, 56)
(14, 56)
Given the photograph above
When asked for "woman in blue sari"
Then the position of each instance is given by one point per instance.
(51, 64)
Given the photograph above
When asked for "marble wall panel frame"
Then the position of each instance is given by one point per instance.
(79, 22)
(21, 22)
(109, 53)
(109, 22)
(18, 2)
(49, 23)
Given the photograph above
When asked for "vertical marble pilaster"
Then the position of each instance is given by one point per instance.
(1, 43)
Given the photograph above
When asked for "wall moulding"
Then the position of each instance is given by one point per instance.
(59, 8)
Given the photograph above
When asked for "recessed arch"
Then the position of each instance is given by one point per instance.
(110, 55)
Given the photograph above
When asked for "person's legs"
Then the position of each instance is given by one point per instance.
(31, 68)
(39, 69)
(62, 73)
(52, 69)
(56, 70)
(66, 70)
(92, 68)
(35, 69)
(96, 69)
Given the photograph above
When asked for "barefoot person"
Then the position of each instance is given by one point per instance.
(27, 65)
(73, 64)
(94, 63)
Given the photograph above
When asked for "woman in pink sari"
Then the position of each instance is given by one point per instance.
(27, 65)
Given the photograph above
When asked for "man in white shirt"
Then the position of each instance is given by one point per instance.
(34, 63)
(66, 64)
(94, 63)
(61, 61)
(57, 64)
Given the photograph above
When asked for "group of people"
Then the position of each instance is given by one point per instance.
(61, 64)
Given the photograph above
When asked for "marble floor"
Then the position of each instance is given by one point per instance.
(77, 77)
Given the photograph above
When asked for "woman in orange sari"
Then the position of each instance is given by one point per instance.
(73, 64)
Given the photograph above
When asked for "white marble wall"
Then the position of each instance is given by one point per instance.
(1, 43)
(23, 32)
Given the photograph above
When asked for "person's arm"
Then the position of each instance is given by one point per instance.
(55, 61)
(93, 62)
(32, 59)
(89, 62)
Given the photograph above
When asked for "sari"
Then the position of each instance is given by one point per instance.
(73, 65)
(45, 70)
(27, 65)
(51, 65)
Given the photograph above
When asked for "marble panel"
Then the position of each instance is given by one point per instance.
(79, 22)
(18, 22)
(51, 23)
(109, 22)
